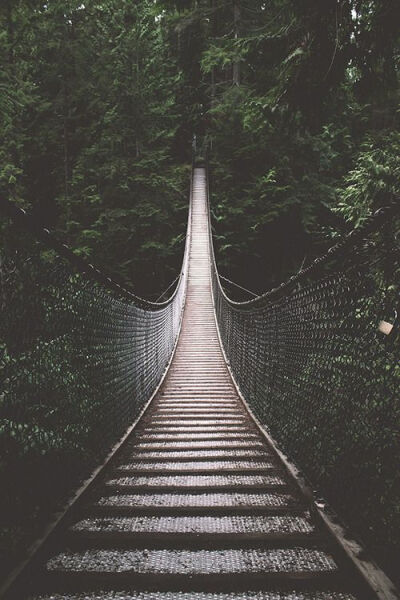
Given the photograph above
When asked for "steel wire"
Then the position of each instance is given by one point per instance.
(79, 359)
(312, 364)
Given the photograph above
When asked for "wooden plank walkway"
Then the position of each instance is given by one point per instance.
(197, 505)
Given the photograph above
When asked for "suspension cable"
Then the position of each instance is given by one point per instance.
(82, 265)
(78, 364)
(238, 286)
(318, 365)
(168, 288)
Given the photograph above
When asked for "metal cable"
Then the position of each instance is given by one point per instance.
(312, 362)
(79, 358)
(240, 287)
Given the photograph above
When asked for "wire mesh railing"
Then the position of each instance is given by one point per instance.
(79, 358)
(314, 363)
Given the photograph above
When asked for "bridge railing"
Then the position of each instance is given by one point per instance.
(79, 358)
(317, 359)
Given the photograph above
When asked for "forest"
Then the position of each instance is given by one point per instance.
(295, 103)
(100, 102)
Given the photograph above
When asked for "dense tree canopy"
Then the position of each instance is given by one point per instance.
(100, 99)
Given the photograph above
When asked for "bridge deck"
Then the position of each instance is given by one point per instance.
(197, 506)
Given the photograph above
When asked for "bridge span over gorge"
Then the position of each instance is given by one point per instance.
(197, 414)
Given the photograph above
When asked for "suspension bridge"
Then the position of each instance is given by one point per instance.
(195, 500)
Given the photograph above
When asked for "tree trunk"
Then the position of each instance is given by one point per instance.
(213, 28)
(65, 140)
(236, 30)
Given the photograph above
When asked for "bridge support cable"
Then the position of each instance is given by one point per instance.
(312, 361)
(80, 356)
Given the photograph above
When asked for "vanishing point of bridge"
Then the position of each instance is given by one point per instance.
(197, 503)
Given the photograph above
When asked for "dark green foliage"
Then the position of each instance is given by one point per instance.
(307, 137)
(88, 127)
(99, 100)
